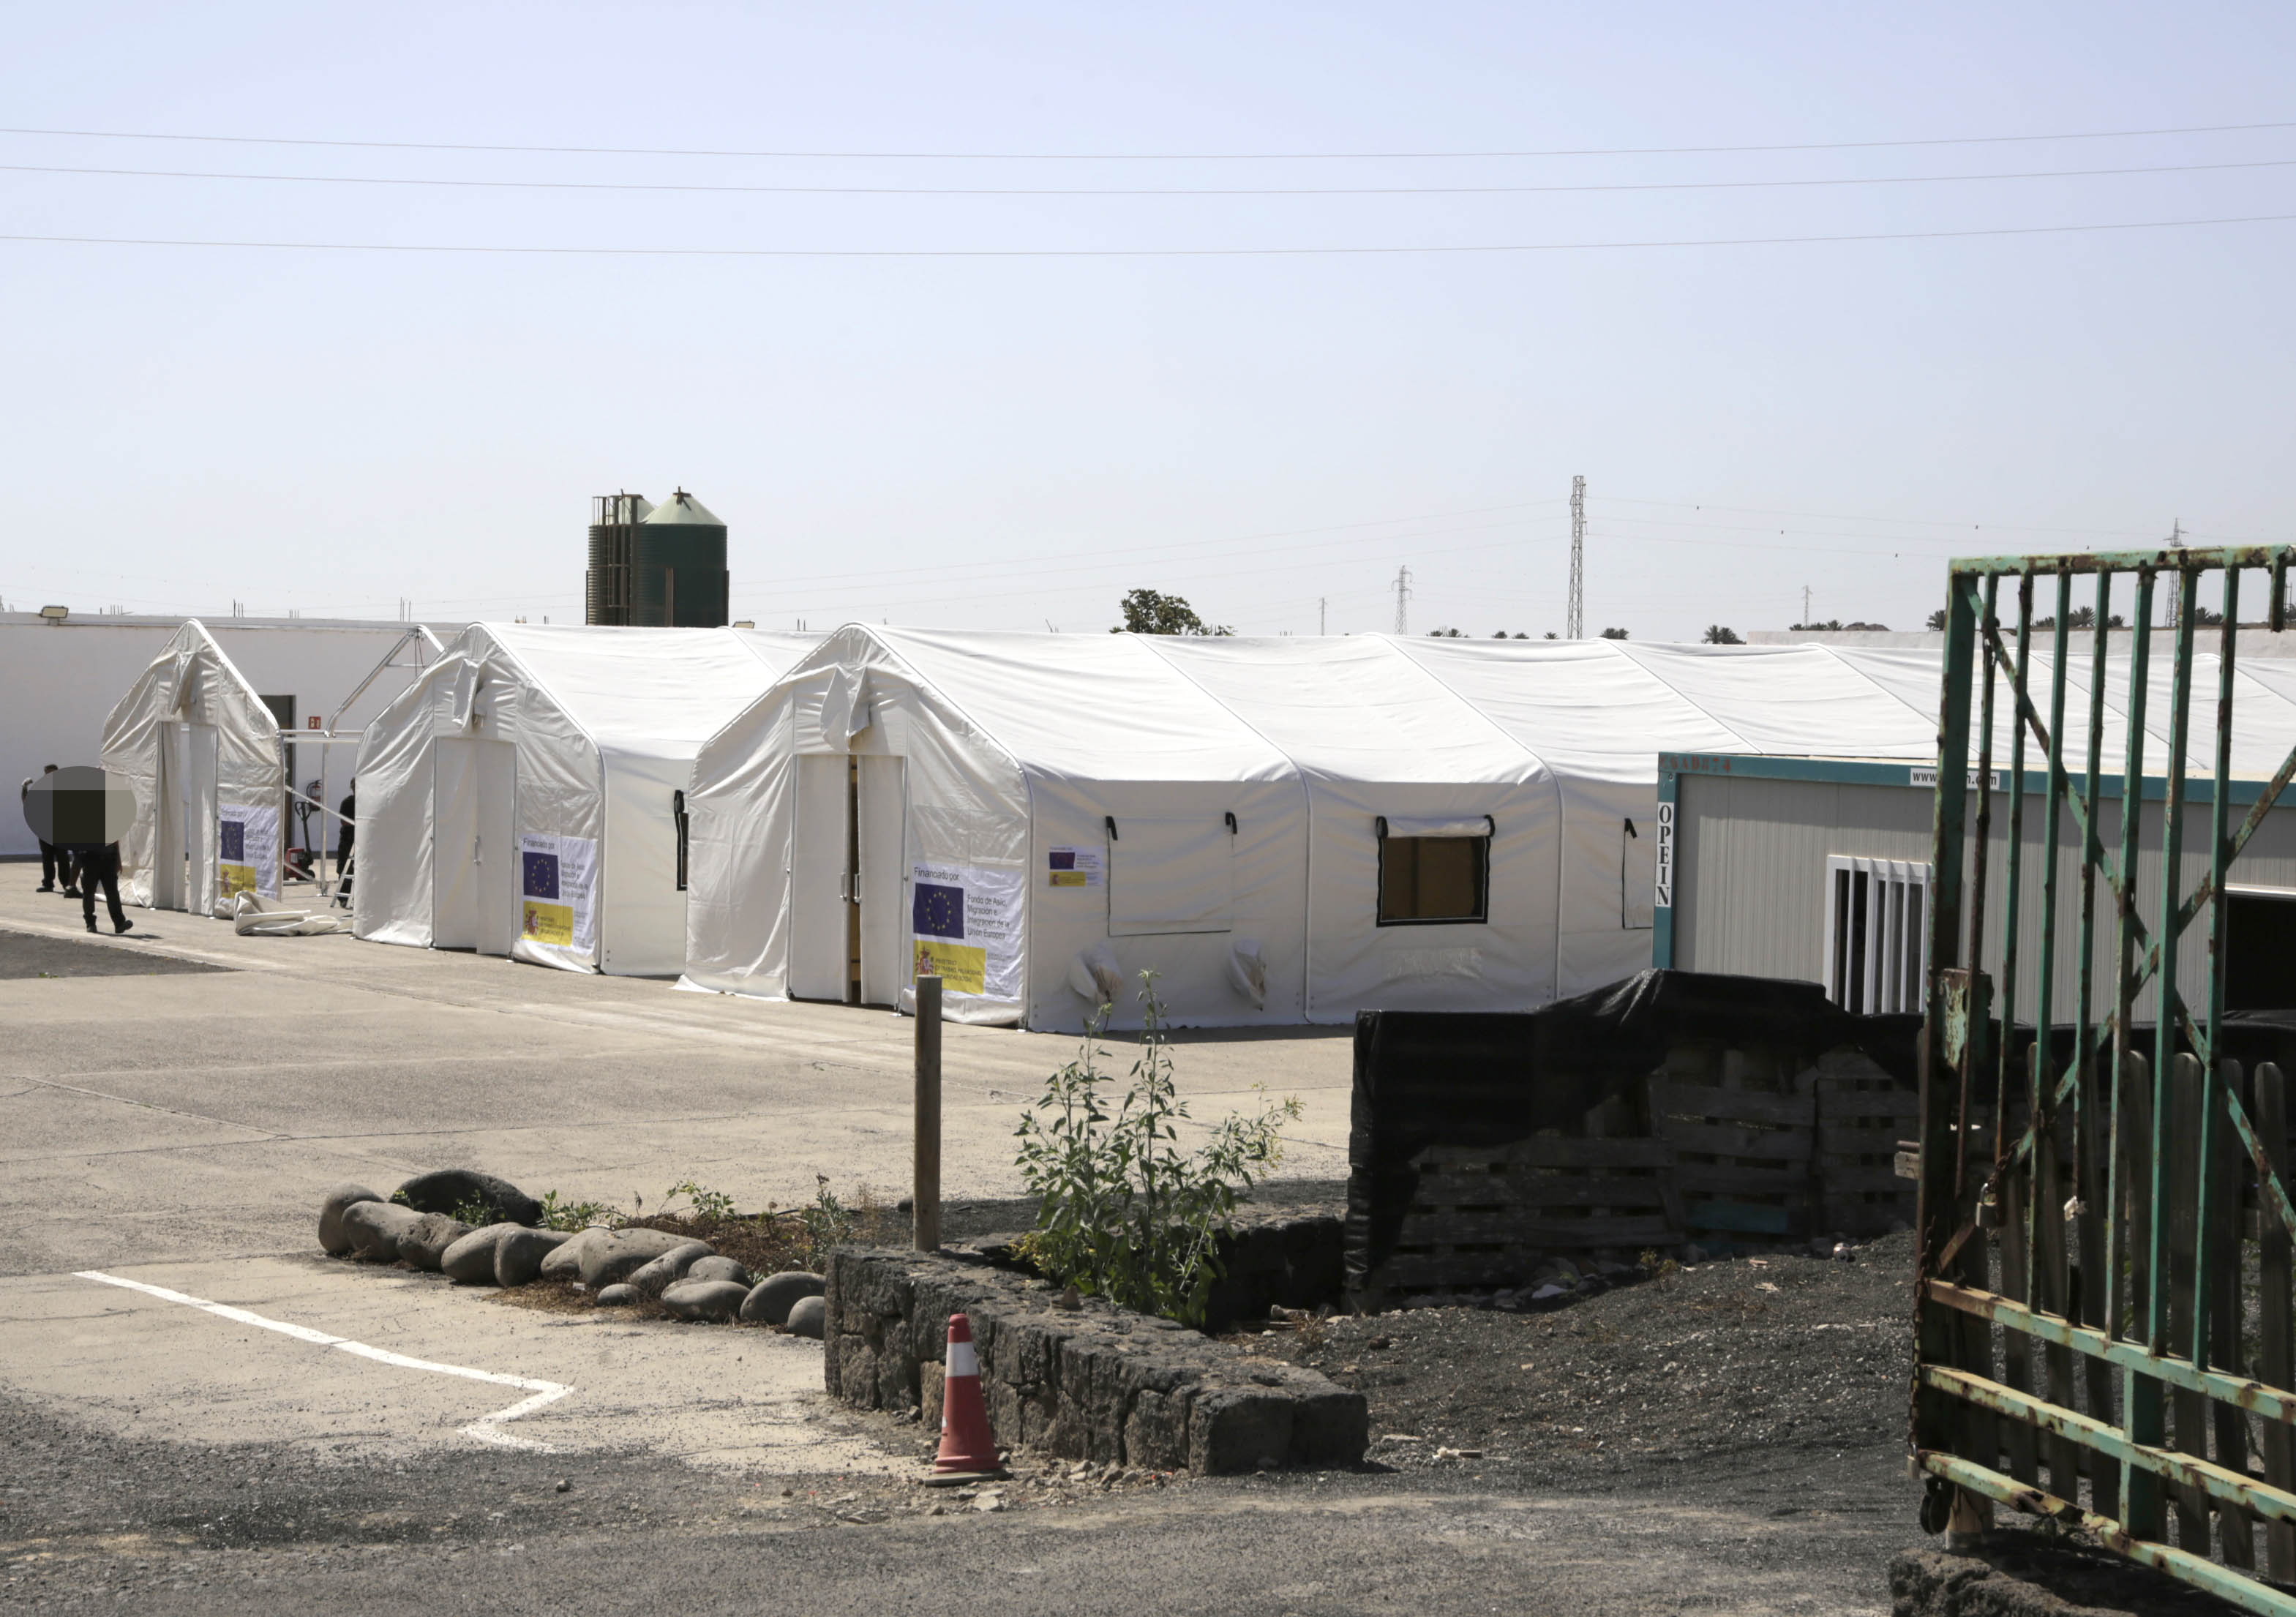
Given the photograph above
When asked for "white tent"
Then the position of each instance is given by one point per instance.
(1282, 829)
(927, 775)
(201, 751)
(521, 797)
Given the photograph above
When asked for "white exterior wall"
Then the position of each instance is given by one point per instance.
(1751, 877)
(62, 681)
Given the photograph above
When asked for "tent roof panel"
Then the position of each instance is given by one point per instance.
(1352, 708)
(639, 689)
(1084, 706)
(1791, 699)
(1578, 704)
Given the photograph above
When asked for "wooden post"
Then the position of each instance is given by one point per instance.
(2183, 1179)
(2276, 1363)
(2220, 1252)
(926, 1218)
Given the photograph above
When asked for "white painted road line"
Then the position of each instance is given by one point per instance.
(486, 1429)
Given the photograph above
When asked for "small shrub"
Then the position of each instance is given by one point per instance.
(826, 1223)
(1121, 1213)
(575, 1215)
(708, 1205)
(478, 1213)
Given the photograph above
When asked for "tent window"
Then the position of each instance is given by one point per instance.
(1877, 930)
(1439, 879)
(2260, 950)
(1170, 875)
(677, 813)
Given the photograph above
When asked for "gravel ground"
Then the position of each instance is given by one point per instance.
(1726, 1439)
(1753, 1362)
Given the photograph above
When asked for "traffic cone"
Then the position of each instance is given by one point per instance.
(967, 1450)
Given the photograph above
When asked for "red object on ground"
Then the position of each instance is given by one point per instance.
(965, 1443)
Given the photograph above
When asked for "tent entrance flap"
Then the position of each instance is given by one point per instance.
(454, 827)
(493, 845)
(1171, 875)
(195, 804)
(474, 844)
(880, 821)
(820, 844)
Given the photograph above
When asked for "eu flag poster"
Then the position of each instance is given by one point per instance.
(556, 891)
(966, 928)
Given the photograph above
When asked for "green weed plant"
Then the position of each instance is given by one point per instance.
(1122, 1212)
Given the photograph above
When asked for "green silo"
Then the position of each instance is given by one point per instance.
(677, 566)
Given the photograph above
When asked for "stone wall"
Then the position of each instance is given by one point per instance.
(1278, 1257)
(1094, 1382)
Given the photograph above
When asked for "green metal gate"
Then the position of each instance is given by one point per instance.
(2104, 1324)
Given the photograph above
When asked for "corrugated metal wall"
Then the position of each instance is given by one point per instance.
(1751, 881)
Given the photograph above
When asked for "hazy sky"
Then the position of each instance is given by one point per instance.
(1012, 441)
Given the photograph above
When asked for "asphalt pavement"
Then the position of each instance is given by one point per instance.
(200, 1413)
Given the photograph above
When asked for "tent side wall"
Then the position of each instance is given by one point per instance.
(738, 818)
(560, 801)
(390, 889)
(964, 815)
(1506, 962)
(1217, 892)
(963, 809)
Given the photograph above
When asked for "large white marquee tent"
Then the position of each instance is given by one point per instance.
(522, 797)
(1284, 830)
(199, 748)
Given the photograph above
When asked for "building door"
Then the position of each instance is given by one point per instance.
(880, 821)
(820, 877)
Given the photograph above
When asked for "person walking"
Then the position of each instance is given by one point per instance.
(347, 833)
(100, 865)
(53, 858)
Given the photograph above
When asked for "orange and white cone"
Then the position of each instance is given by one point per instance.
(966, 1447)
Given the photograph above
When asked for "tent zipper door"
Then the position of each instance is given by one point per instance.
(879, 877)
(188, 802)
(822, 866)
(493, 845)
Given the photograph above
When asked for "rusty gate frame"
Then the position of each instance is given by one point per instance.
(1964, 1410)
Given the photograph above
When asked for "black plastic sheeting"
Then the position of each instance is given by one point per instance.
(1438, 1077)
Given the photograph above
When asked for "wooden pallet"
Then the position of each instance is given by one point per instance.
(1741, 1154)
(1480, 1213)
(1862, 1116)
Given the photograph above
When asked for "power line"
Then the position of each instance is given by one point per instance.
(1915, 522)
(1160, 191)
(1135, 553)
(481, 249)
(1153, 157)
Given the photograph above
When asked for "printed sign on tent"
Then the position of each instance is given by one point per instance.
(556, 887)
(966, 921)
(1077, 867)
(247, 850)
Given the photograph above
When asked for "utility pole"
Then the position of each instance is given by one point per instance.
(2175, 542)
(1805, 605)
(1323, 614)
(1575, 623)
(1403, 600)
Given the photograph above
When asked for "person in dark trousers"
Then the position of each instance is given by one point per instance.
(53, 858)
(348, 832)
(100, 865)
